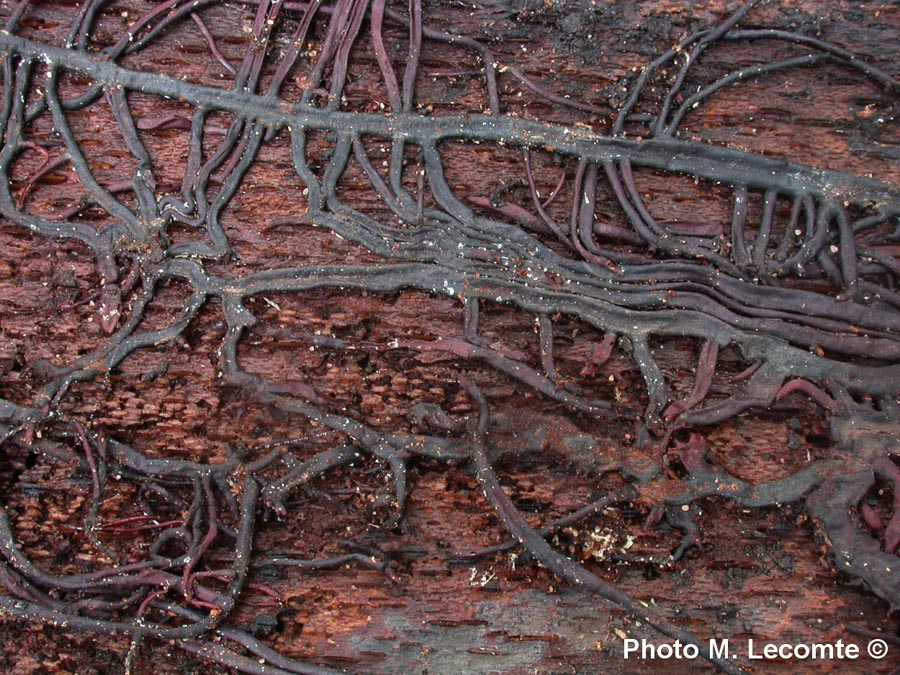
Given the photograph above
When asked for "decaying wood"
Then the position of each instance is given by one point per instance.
(357, 345)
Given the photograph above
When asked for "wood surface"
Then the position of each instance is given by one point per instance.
(762, 573)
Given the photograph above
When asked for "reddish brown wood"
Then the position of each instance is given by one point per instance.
(761, 573)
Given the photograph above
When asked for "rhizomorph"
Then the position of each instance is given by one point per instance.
(802, 288)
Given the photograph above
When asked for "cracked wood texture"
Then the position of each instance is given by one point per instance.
(286, 287)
